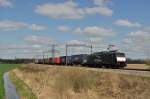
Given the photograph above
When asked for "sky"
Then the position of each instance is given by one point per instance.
(32, 26)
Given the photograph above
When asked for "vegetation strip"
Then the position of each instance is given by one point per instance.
(23, 90)
(80, 83)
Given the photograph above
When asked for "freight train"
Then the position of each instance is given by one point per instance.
(107, 59)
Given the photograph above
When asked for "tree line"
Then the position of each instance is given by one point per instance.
(16, 61)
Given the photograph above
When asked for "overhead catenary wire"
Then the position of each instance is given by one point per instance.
(75, 45)
(52, 49)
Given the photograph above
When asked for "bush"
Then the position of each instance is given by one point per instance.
(148, 63)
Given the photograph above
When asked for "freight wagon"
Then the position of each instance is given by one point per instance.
(63, 60)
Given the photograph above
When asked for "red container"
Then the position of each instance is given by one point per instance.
(57, 60)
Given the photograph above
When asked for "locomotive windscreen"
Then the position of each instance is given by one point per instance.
(120, 54)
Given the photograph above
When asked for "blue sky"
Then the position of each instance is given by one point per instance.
(124, 23)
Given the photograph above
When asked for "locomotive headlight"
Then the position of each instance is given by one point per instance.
(121, 59)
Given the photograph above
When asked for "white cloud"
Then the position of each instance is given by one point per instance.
(95, 31)
(100, 2)
(125, 22)
(20, 51)
(95, 40)
(5, 3)
(99, 10)
(75, 42)
(67, 10)
(63, 28)
(140, 38)
(136, 44)
(77, 30)
(70, 10)
(36, 27)
(33, 39)
(14, 25)
(95, 35)
(147, 29)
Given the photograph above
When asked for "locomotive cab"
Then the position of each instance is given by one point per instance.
(121, 59)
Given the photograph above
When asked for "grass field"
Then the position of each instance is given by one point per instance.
(78, 83)
(137, 66)
(4, 68)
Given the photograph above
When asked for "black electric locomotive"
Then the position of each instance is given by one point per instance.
(108, 59)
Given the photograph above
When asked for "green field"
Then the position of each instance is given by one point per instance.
(4, 68)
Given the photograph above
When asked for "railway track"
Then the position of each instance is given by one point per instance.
(136, 69)
(126, 71)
